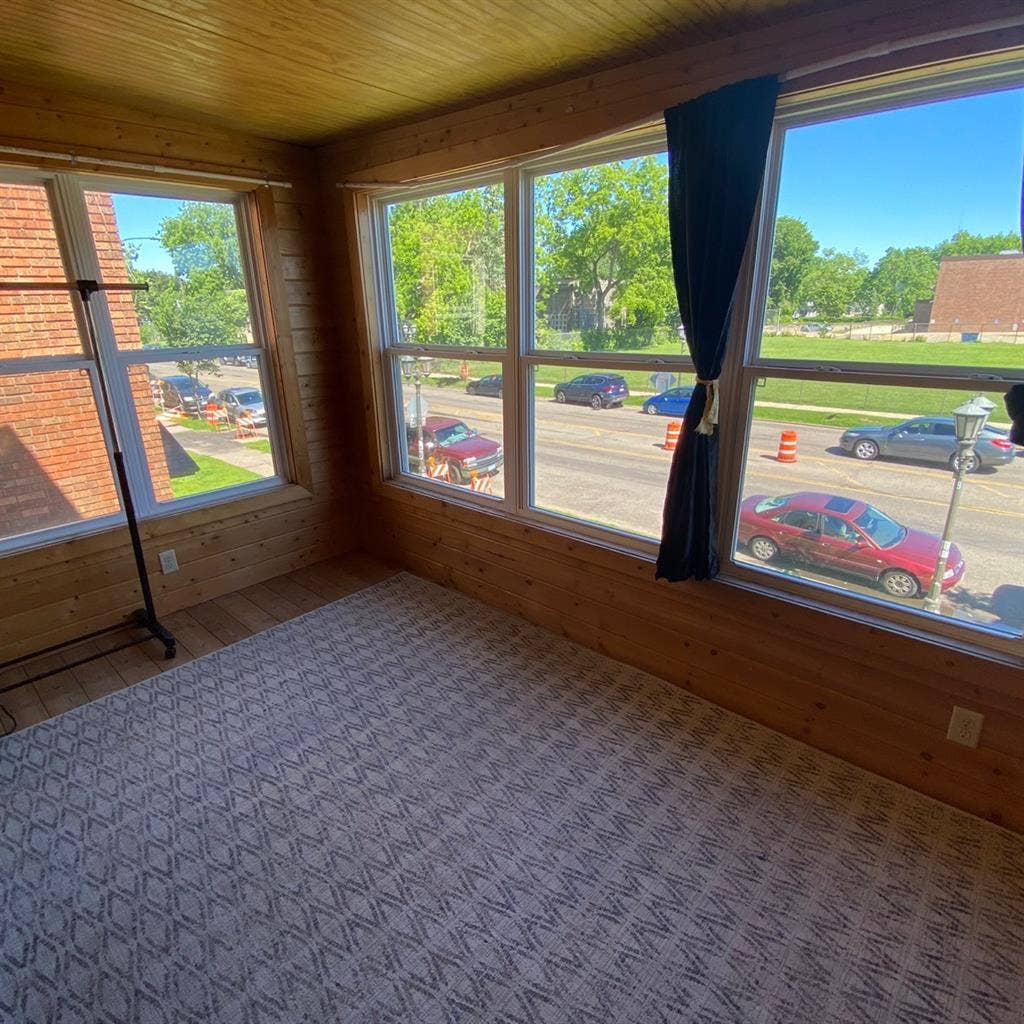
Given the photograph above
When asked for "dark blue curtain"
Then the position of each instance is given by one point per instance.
(717, 146)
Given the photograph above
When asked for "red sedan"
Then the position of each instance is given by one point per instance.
(832, 533)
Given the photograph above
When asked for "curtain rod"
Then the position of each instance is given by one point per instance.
(74, 159)
(887, 49)
(879, 50)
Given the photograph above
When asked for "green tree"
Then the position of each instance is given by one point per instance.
(793, 254)
(834, 282)
(203, 302)
(201, 237)
(900, 278)
(963, 243)
(605, 228)
(448, 255)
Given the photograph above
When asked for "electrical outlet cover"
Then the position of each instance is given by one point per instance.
(965, 727)
(168, 561)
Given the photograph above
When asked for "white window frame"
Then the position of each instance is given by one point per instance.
(71, 223)
(743, 364)
(519, 355)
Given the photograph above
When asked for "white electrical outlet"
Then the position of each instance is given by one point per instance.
(965, 726)
(168, 561)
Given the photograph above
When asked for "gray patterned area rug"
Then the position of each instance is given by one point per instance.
(409, 807)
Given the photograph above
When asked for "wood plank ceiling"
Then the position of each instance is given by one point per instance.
(306, 71)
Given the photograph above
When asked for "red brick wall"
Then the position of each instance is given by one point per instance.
(53, 462)
(979, 293)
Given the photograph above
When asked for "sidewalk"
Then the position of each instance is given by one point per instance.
(222, 446)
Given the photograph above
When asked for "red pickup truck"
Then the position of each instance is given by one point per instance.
(464, 449)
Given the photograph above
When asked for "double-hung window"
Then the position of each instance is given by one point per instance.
(534, 360)
(532, 347)
(184, 361)
(888, 296)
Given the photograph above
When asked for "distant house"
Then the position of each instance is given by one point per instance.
(979, 293)
(570, 308)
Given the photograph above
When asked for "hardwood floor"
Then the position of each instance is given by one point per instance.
(199, 630)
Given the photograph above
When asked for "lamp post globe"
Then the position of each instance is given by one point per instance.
(969, 419)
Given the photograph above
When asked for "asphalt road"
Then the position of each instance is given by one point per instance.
(610, 467)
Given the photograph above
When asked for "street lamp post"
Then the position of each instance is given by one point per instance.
(417, 367)
(969, 420)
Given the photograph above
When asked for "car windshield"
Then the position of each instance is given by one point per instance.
(248, 397)
(880, 528)
(453, 434)
(769, 503)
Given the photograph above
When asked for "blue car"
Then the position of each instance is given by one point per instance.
(669, 403)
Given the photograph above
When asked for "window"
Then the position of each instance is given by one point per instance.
(534, 314)
(183, 361)
(891, 296)
(445, 330)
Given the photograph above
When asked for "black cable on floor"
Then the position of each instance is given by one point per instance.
(4, 713)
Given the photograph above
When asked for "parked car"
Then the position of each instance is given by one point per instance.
(180, 391)
(489, 386)
(235, 401)
(463, 448)
(927, 439)
(814, 328)
(598, 390)
(239, 359)
(836, 534)
(673, 402)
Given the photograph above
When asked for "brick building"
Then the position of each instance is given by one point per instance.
(979, 294)
(54, 467)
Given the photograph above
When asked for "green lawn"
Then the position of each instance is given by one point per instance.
(213, 474)
(261, 444)
(902, 400)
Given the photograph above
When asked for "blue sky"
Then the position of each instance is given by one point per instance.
(908, 177)
(138, 220)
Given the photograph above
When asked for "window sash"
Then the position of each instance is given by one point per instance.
(74, 234)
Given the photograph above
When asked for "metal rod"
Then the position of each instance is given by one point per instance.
(71, 286)
(79, 661)
(61, 646)
(177, 172)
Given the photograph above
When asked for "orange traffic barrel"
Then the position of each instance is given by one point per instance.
(672, 432)
(787, 446)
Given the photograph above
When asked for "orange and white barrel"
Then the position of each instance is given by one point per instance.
(672, 432)
(787, 446)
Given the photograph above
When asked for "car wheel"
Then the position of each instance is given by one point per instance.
(865, 450)
(456, 474)
(596, 402)
(764, 549)
(899, 583)
(971, 462)
(560, 397)
(651, 410)
(501, 392)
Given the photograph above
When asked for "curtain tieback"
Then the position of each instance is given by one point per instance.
(709, 419)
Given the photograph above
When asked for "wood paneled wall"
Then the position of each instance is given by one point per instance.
(868, 695)
(52, 593)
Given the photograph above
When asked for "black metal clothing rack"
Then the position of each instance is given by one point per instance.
(145, 618)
